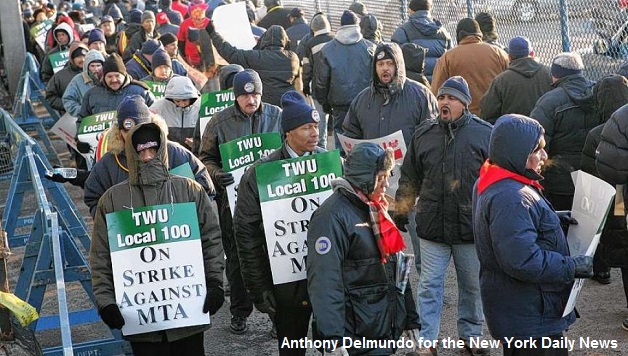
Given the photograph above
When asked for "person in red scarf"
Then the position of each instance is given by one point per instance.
(353, 247)
(526, 272)
(440, 168)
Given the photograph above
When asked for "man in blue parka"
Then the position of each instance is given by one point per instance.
(526, 272)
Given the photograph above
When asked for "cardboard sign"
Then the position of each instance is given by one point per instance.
(158, 268)
(290, 191)
(157, 88)
(239, 154)
(38, 33)
(93, 127)
(59, 59)
(214, 102)
(232, 23)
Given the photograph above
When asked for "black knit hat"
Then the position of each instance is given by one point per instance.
(349, 18)
(167, 38)
(247, 82)
(132, 111)
(150, 46)
(467, 27)
(161, 58)
(113, 63)
(296, 111)
(145, 137)
(416, 5)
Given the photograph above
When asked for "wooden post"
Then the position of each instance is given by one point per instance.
(13, 38)
(6, 329)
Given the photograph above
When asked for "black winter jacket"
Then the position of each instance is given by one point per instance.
(58, 83)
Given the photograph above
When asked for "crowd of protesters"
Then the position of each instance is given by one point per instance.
(492, 138)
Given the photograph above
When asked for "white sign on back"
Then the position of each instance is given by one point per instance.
(232, 23)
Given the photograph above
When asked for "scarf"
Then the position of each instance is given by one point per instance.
(491, 173)
(387, 235)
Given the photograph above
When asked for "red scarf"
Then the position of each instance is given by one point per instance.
(387, 235)
(490, 173)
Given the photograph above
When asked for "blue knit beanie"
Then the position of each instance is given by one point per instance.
(519, 47)
(135, 16)
(96, 35)
(456, 86)
(349, 18)
(296, 111)
(247, 82)
(132, 111)
(149, 47)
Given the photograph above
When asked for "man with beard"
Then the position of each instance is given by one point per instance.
(440, 168)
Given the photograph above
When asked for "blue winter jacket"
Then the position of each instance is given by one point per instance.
(526, 273)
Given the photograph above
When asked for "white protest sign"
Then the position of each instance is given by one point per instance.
(592, 200)
(232, 23)
(65, 128)
(396, 142)
(238, 155)
(290, 191)
(158, 268)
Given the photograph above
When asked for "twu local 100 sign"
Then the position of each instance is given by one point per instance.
(290, 191)
(158, 269)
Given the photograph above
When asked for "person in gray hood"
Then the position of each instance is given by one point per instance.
(91, 76)
(422, 29)
(518, 88)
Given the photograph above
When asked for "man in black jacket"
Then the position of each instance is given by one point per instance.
(288, 303)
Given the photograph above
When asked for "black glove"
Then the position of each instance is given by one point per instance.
(327, 109)
(266, 303)
(401, 220)
(566, 220)
(306, 89)
(210, 28)
(584, 266)
(214, 299)
(112, 317)
(223, 179)
(83, 147)
(58, 178)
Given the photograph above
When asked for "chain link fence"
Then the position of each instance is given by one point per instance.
(593, 28)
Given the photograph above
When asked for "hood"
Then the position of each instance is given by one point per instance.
(579, 89)
(91, 56)
(227, 72)
(414, 57)
(611, 93)
(424, 23)
(526, 66)
(181, 88)
(512, 140)
(153, 171)
(371, 28)
(348, 34)
(67, 29)
(400, 77)
(116, 143)
(364, 162)
(320, 25)
(274, 38)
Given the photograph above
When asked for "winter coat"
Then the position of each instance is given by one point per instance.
(150, 183)
(74, 92)
(101, 98)
(311, 47)
(178, 68)
(168, 28)
(414, 58)
(58, 84)
(427, 32)
(477, 62)
(611, 159)
(526, 273)
(46, 71)
(378, 111)
(111, 44)
(277, 67)
(251, 241)
(296, 32)
(353, 294)
(113, 169)
(371, 28)
(567, 114)
(138, 66)
(277, 15)
(516, 90)
(334, 85)
(124, 38)
(440, 167)
(136, 42)
(181, 121)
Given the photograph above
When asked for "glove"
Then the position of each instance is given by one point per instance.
(565, 218)
(214, 299)
(224, 178)
(306, 89)
(584, 266)
(83, 147)
(210, 28)
(401, 220)
(112, 317)
(266, 303)
(339, 351)
(327, 108)
(58, 178)
(413, 335)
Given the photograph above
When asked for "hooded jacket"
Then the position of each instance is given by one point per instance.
(516, 90)
(277, 66)
(113, 167)
(380, 110)
(60, 80)
(124, 38)
(310, 47)
(414, 58)
(275, 15)
(371, 28)
(180, 121)
(296, 32)
(526, 273)
(611, 159)
(73, 95)
(101, 98)
(353, 294)
(567, 114)
(334, 85)
(440, 167)
(149, 183)
(46, 72)
(136, 41)
(427, 32)
(138, 66)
